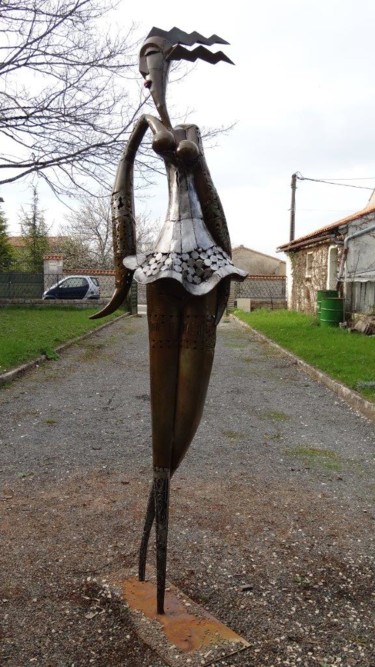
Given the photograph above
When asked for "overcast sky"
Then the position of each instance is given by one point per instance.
(302, 95)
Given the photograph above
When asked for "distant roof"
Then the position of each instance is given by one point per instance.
(19, 241)
(322, 231)
(243, 247)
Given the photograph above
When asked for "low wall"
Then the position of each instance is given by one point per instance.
(52, 303)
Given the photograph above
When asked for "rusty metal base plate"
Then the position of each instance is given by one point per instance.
(186, 635)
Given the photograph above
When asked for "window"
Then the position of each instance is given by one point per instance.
(73, 282)
(309, 263)
(332, 267)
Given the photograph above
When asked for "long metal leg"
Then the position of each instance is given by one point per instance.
(149, 520)
(161, 493)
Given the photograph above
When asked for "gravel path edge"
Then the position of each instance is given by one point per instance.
(354, 399)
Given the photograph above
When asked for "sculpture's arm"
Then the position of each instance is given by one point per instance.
(123, 217)
(212, 209)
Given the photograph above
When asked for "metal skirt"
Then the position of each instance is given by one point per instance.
(198, 271)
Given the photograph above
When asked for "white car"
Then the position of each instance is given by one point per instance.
(74, 287)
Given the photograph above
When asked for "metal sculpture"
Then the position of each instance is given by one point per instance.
(187, 275)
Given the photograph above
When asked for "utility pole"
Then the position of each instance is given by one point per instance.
(293, 207)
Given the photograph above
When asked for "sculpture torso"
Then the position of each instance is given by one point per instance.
(185, 250)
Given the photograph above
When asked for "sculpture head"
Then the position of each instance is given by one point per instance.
(160, 48)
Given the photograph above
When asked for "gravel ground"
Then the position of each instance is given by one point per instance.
(272, 511)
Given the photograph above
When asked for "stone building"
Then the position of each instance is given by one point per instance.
(265, 284)
(338, 256)
(257, 263)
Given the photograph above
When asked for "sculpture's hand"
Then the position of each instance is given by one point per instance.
(118, 296)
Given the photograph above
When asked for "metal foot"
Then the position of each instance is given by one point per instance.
(149, 520)
(161, 494)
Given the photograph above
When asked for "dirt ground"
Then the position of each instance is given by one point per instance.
(272, 512)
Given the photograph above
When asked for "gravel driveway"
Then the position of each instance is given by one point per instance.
(272, 511)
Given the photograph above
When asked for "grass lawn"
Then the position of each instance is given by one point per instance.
(26, 333)
(349, 358)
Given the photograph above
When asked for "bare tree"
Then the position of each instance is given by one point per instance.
(90, 228)
(64, 107)
(77, 256)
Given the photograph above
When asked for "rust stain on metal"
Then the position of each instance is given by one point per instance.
(184, 630)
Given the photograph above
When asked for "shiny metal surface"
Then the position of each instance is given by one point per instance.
(187, 276)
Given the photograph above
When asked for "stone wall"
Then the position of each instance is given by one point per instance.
(263, 290)
(309, 273)
(305, 287)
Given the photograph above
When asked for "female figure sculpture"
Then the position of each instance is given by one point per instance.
(187, 276)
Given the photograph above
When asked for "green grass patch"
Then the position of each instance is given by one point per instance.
(26, 333)
(233, 435)
(348, 358)
(274, 415)
(315, 456)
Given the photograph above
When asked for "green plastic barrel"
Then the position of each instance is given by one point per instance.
(322, 294)
(331, 312)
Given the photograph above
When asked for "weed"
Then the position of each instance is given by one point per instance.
(233, 435)
(250, 360)
(302, 581)
(235, 341)
(91, 350)
(50, 354)
(275, 437)
(274, 415)
(324, 458)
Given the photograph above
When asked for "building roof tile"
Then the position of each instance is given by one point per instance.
(322, 231)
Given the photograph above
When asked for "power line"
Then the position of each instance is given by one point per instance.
(362, 178)
(298, 175)
(321, 180)
(325, 210)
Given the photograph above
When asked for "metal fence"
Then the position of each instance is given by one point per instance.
(21, 285)
(31, 286)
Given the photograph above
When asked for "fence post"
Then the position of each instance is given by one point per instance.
(134, 298)
(52, 264)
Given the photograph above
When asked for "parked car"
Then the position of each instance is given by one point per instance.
(74, 287)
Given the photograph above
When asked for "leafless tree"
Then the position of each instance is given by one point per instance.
(65, 112)
(69, 95)
(90, 228)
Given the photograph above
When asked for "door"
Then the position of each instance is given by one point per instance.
(74, 287)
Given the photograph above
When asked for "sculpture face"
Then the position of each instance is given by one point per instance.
(160, 48)
(154, 67)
